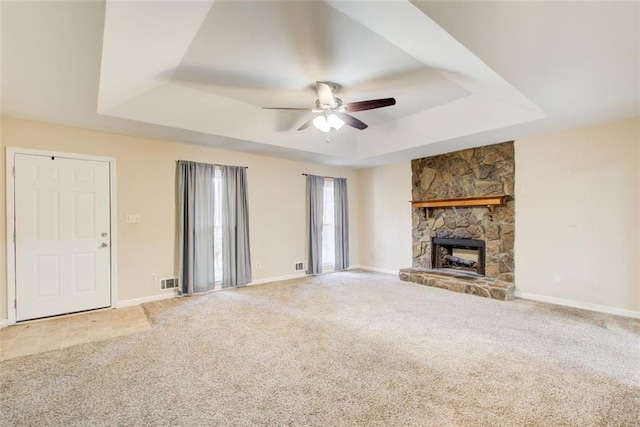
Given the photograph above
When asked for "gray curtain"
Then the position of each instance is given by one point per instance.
(236, 256)
(195, 226)
(341, 213)
(315, 205)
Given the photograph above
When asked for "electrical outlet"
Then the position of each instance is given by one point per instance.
(557, 278)
(154, 278)
(132, 219)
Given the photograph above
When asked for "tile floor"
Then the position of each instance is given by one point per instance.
(55, 333)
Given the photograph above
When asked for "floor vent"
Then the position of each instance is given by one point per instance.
(299, 266)
(169, 283)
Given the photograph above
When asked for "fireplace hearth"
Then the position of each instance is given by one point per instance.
(466, 255)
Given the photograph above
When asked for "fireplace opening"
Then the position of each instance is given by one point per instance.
(466, 255)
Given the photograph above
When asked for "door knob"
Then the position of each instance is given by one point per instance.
(104, 234)
(104, 245)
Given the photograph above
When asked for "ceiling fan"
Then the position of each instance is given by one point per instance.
(333, 113)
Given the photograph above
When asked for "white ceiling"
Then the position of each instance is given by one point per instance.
(463, 73)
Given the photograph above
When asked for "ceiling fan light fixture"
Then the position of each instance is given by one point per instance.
(321, 123)
(335, 121)
(333, 114)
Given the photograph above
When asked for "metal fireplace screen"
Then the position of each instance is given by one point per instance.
(458, 254)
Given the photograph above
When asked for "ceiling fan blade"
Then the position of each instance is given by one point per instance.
(306, 125)
(325, 94)
(370, 104)
(286, 108)
(351, 121)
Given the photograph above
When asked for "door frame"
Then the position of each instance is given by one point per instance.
(10, 213)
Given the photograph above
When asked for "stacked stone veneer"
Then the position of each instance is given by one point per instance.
(475, 172)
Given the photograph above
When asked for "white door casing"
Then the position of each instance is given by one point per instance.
(62, 216)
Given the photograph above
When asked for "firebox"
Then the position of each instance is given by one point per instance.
(458, 254)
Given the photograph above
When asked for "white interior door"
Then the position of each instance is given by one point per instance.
(63, 256)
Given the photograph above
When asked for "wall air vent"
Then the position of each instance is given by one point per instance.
(169, 283)
(299, 266)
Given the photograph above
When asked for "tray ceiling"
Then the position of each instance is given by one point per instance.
(463, 73)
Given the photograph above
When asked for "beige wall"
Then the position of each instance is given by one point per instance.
(577, 215)
(385, 222)
(146, 186)
(577, 209)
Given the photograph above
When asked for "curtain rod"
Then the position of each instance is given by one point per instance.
(332, 177)
(242, 167)
(214, 164)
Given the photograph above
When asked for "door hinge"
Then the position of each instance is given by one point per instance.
(15, 304)
(14, 236)
(14, 171)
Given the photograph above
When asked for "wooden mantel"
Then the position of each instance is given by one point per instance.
(488, 201)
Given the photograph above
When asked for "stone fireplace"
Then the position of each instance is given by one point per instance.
(463, 221)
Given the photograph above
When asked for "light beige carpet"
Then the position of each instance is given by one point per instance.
(354, 348)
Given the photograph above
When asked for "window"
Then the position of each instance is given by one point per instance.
(217, 227)
(214, 226)
(328, 227)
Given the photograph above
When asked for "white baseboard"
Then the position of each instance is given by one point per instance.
(4, 323)
(579, 304)
(376, 269)
(138, 301)
(277, 279)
